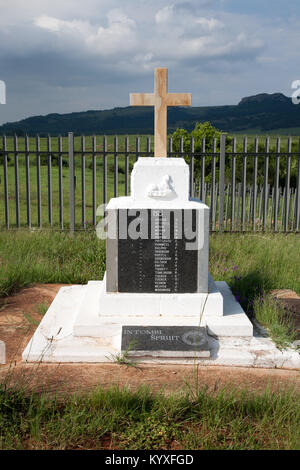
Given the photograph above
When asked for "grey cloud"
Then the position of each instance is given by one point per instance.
(55, 58)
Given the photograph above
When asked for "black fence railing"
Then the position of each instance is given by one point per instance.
(60, 182)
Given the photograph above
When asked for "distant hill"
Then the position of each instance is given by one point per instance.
(263, 112)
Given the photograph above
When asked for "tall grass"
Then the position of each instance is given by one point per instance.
(125, 419)
(49, 257)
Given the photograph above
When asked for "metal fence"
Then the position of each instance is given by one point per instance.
(249, 190)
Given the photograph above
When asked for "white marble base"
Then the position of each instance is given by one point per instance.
(2, 353)
(104, 313)
(54, 340)
(117, 309)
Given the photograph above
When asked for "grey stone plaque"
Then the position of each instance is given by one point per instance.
(158, 261)
(164, 338)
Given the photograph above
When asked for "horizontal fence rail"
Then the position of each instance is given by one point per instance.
(59, 183)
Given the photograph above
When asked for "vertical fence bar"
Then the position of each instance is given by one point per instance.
(233, 169)
(250, 205)
(137, 148)
(148, 146)
(287, 186)
(116, 166)
(49, 179)
(203, 170)
(279, 200)
(226, 207)
(213, 183)
(216, 205)
(244, 183)
(222, 181)
(60, 183)
(266, 172)
(6, 204)
(181, 147)
(276, 182)
(294, 209)
(83, 203)
(126, 148)
(104, 171)
(192, 167)
(272, 206)
(298, 191)
(94, 188)
(260, 205)
(282, 210)
(170, 147)
(254, 199)
(238, 203)
(38, 180)
(17, 193)
(27, 180)
(71, 181)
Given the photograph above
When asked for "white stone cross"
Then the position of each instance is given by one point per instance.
(160, 99)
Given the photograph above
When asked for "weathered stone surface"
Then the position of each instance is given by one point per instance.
(158, 264)
(164, 338)
(2, 353)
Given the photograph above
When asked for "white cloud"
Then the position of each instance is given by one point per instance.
(118, 36)
(47, 22)
(209, 23)
(165, 14)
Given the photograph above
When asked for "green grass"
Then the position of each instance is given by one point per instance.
(269, 312)
(49, 257)
(227, 419)
(252, 265)
(42, 308)
(126, 419)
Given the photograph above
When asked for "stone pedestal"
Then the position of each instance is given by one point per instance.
(170, 254)
(157, 265)
(156, 284)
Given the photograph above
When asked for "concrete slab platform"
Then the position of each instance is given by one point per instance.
(54, 340)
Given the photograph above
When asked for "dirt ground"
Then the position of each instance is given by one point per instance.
(21, 313)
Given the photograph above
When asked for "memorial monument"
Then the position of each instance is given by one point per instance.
(157, 300)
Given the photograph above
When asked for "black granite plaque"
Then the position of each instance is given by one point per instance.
(164, 338)
(157, 261)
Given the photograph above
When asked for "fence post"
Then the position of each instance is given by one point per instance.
(71, 181)
(222, 181)
(27, 180)
(298, 191)
(5, 159)
(191, 166)
(17, 189)
(287, 185)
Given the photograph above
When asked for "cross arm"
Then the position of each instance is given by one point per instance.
(179, 99)
(142, 99)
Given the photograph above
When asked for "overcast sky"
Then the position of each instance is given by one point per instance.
(60, 56)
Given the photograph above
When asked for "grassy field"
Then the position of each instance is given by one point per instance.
(124, 419)
(252, 265)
